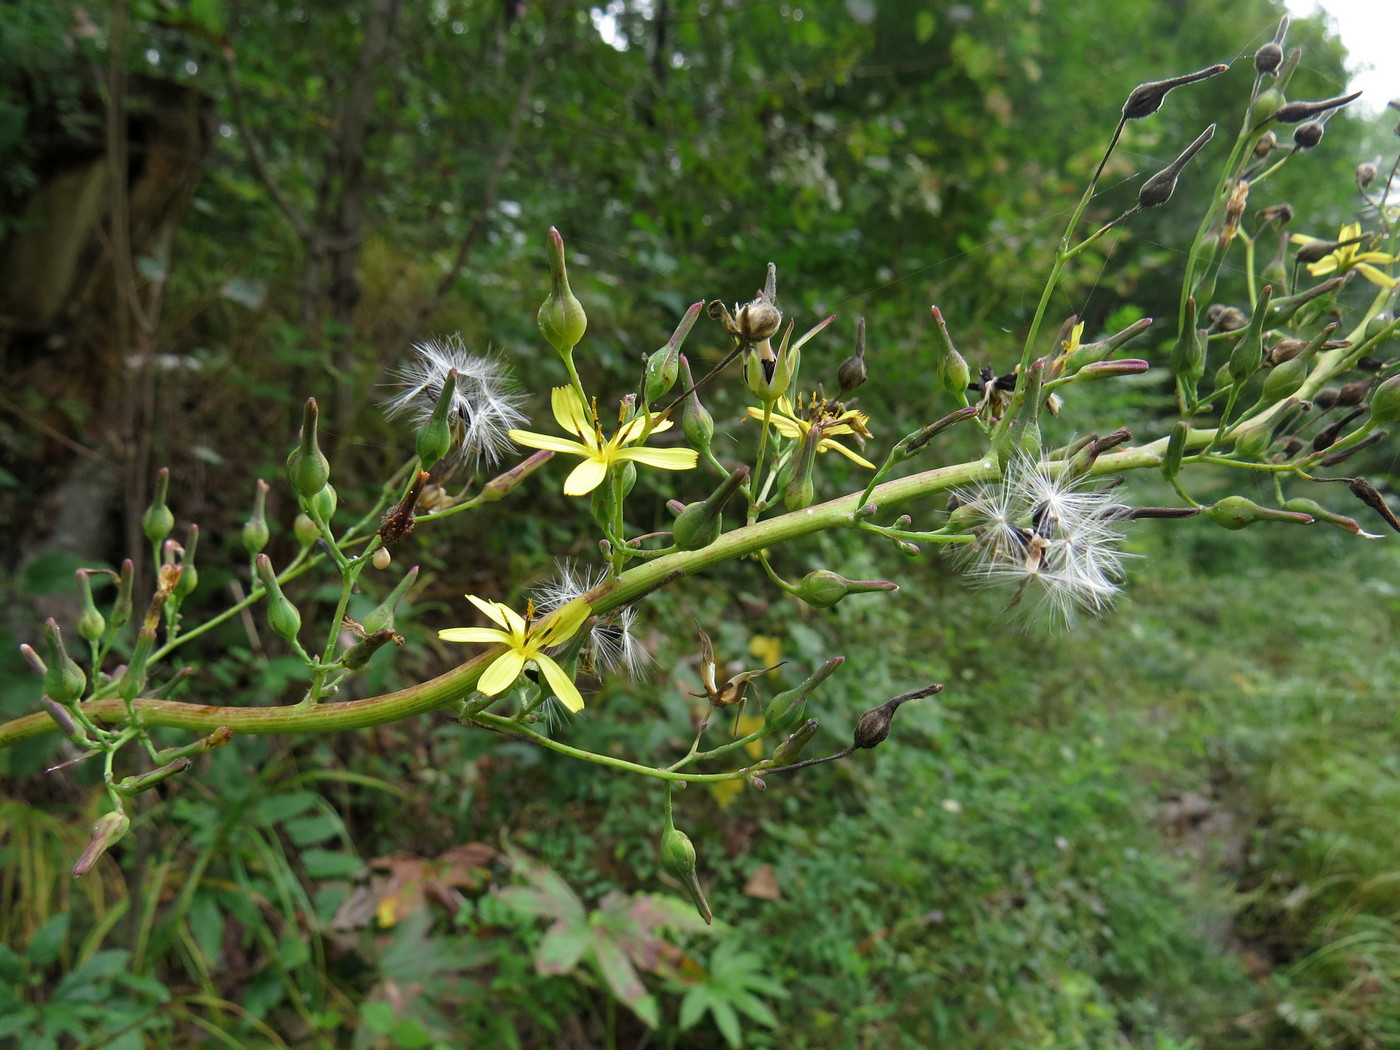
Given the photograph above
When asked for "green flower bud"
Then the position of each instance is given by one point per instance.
(189, 575)
(663, 366)
(699, 524)
(255, 530)
(90, 622)
(158, 520)
(305, 530)
(382, 617)
(678, 858)
(696, 423)
(953, 373)
(121, 605)
(790, 750)
(282, 615)
(65, 723)
(1237, 512)
(1385, 402)
(1310, 507)
(134, 785)
(785, 710)
(435, 439)
(1175, 450)
(359, 654)
(823, 588)
(308, 470)
(1189, 351)
(1284, 380)
(1253, 442)
(1248, 355)
(107, 830)
(561, 318)
(64, 680)
(504, 484)
(768, 372)
(323, 503)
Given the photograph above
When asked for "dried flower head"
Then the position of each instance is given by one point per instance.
(1042, 532)
(485, 403)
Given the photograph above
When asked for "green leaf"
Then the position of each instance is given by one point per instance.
(324, 864)
(379, 1016)
(305, 831)
(276, 808)
(560, 949)
(206, 922)
(728, 1023)
(85, 983)
(11, 965)
(624, 981)
(923, 26)
(15, 1018)
(47, 941)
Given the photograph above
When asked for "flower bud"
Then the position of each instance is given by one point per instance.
(1237, 512)
(785, 710)
(953, 373)
(435, 439)
(1189, 351)
(699, 524)
(322, 506)
(381, 558)
(561, 318)
(1159, 188)
(1385, 402)
(1268, 58)
(1146, 99)
(823, 588)
(134, 785)
(220, 737)
(65, 723)
(305, 530)
(1365, 174)
(663, 366)
(1308, 134)
(1370, 495)
(1295, 112)
(158, 519)
(1248, 355)
(64, 680)
(91, 623)
(696, 422)
(503, 485)
(1266, 104)
(255, 530)
(852, 372)
(1253, 442)
(189, 575)
(1124, 366)
(790, 750)
(307, 467)
(359, 654)
(678, 858)
(121, 605)
(107, 830)
(1268, 142)
(1310, 507)
(874, 726)
(383, 615)
(282, 615)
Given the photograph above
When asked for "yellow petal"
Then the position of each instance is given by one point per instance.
(585, 477)
(502, 672)
(495, 610)
(561, 683)
(1377, 277)
(570, 411)
(564, 622)
(826, 445)
(665, 458)
(475, 634)
(530, 439)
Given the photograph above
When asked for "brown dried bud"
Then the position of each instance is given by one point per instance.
(1368, 494)
(1280, 214)
(1222, 318)
(1147, 98)
(1268, 57)
(1158, 189)
(1308, 135)
(874, 726)
(852, 372)
(1295, 112)
(1268, 142)
(1365, 174)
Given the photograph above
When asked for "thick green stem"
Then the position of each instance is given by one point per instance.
(458, 683)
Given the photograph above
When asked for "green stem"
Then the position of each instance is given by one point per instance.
(458, 683)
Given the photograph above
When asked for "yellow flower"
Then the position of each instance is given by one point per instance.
(598, 455)
(830, 416)
(524, 639)
(1350, 257)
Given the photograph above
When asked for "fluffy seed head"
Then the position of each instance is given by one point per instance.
(1059, 545)
(485, 403)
